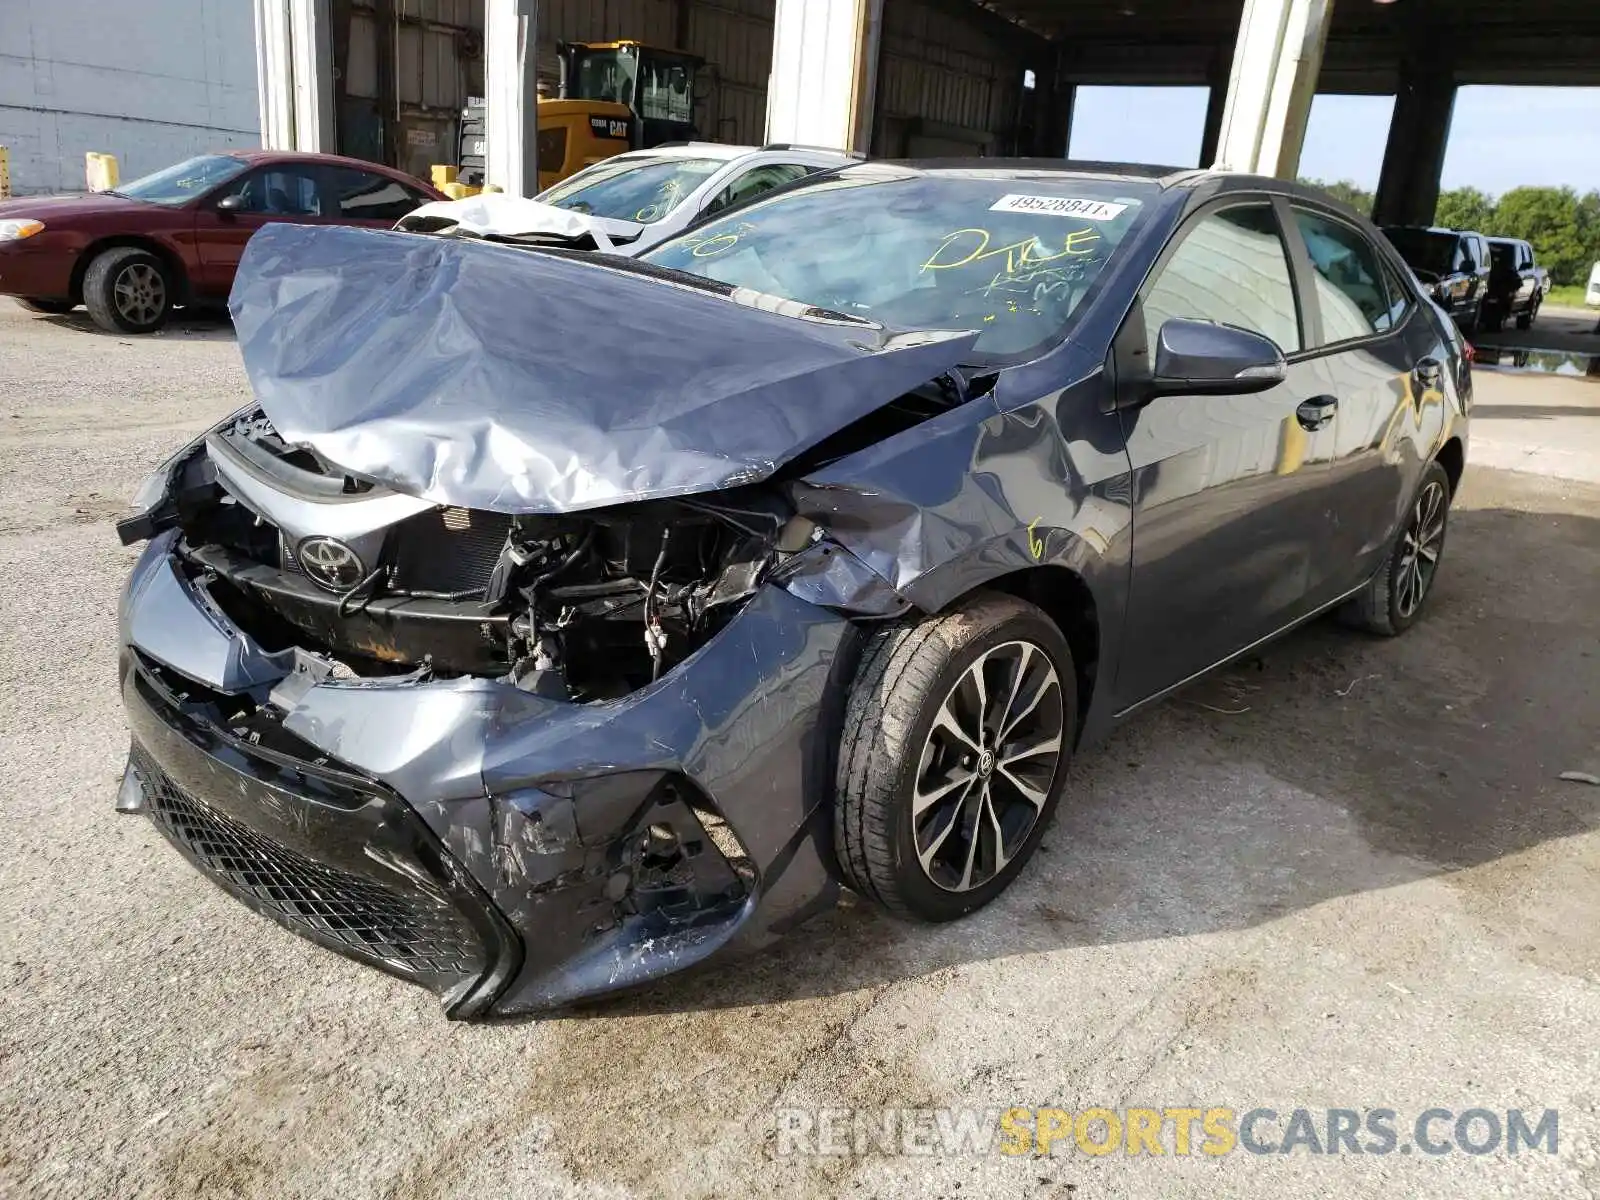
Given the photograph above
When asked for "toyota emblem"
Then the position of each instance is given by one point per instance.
(330, 564)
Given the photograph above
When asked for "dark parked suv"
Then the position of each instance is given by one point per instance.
(1451, 264)
(528, 672)
(1516, 284)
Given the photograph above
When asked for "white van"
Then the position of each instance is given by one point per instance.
(1594, 287)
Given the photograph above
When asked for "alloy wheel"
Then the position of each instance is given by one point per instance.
(1420, 546)
(988, 766)
(140, 293)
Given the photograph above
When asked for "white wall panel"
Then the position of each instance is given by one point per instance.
(151, 82)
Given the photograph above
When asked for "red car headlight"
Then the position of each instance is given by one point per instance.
(16, 230)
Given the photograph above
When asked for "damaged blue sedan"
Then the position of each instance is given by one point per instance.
(551, 622)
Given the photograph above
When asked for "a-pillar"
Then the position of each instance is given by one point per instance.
(824, 72)
(1408, 186)
(511, 96)
(294, 75)
(1276, 62)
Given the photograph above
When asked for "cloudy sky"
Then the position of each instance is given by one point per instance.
(1500, 137)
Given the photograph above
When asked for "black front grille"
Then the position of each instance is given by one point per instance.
(447, 550)
(286, 557)
(412, 933)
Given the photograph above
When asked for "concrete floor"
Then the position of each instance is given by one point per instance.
(1524, 421)
(1343, 874)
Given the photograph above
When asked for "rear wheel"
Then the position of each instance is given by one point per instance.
(1392, 601)
(127, 290)
(958, 732)
(52, 308)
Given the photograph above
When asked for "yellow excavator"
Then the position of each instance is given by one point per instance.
(614, 96)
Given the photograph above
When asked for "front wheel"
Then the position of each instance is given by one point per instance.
(957, 736)
(1392, 600)
(1525, 321)
(127, 290)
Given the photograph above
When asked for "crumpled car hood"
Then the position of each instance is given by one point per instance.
(534, 382)
(494, 214)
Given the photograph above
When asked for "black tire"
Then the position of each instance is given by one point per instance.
(1475, 321)
(1525, 321)
(128, 290)
(1387, 606)
(53, 308)
(890, 744)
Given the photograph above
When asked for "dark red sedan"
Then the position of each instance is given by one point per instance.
(175, 237)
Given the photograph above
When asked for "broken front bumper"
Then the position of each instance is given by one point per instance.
(508, 851)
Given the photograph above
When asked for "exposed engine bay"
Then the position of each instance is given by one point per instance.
(584, 606)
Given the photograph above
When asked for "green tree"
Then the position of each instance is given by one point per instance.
(1465, 208)
(1352, 194)
(1560, 226)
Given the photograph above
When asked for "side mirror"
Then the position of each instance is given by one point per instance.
(1199, 358)
(231, 204)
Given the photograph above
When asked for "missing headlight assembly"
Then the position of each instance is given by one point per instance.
(583, 607)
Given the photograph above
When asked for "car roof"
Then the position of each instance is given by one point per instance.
(1167, 178)
(692, 150)
(255, 154)
(726, 153)
(1034, 168)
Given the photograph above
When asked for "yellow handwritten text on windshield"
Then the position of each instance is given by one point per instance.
(972, 246)
(706, 245)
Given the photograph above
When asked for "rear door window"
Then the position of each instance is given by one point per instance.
(1346, 278)
(1400, 296)
(368, 196)
(751, 183)
(1232, 268)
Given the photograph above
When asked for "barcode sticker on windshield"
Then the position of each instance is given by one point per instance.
(1060, 206)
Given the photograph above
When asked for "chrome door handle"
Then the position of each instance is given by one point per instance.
(1317, 413)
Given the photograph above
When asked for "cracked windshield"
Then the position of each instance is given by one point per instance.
(1012, 258)
(637, 190)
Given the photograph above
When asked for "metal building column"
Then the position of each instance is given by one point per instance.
(311, 43)
(1056, 105)
(1275, 66)
(274, 75)
(511, 95)
(824, 72)
(294, 75)
(1216, 105)
(1408, 185)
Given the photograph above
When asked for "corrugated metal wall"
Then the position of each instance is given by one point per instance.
(735, 39)
(438, 62)
(946, 85)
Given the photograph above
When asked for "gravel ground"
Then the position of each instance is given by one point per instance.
(1343, 874)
